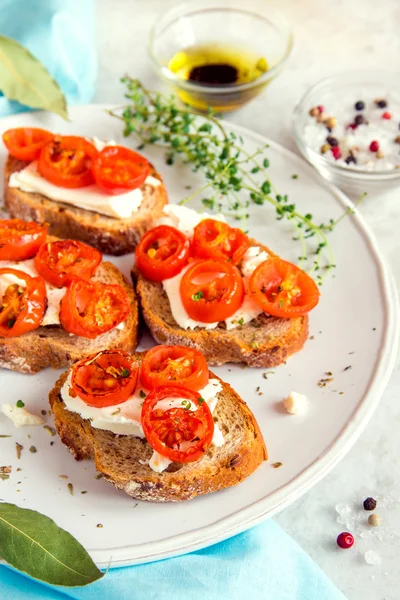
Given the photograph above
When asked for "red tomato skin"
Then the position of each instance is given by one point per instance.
(89, 259)
(207, 310)
(32, 314)
(149, 404)
(218, 241)
(148, 374)
(120, 360)
(74, 323)
(113, 158)
(25, 143)
(20, 245)
(173, 264)
(62, 148)
(270, 275)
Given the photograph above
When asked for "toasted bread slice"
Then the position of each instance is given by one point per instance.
(117, 456)
(51, 346)
(263, 342)
(107, 234)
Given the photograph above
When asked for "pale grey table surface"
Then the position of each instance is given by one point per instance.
(329, 37)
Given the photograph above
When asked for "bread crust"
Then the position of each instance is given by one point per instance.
(219, 468)
(51, 346)
(107, 234)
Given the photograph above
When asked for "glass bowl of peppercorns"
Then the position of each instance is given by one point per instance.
(348, 127)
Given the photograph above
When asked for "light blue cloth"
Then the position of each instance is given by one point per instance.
(261, 564)
(60, 33)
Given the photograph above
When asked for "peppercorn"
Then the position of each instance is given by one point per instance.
(360, 120)
(397, 140)
(350, 159)
(330, 122)
(374, 520)
(345, 540)
(374, 146)
(332, 140)
(369, 504)
(337, 153)
(325, 148)
(387, 115)
(380, 154)
(314, 112)
(360, 105)
(381, 103)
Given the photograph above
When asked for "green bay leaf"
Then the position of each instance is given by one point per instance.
(34, 544)
(25, 79)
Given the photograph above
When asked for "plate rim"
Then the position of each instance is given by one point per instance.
(292, 490)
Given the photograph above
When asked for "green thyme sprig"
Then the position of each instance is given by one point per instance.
(234, 178)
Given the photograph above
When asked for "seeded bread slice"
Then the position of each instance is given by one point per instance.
(117, 457)
(51, 346)
(107, 234)
(263, 342)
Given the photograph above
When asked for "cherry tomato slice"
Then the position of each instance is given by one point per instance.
(20, 240)
(214, 239)
(60, 262)
(117, 170)
(67, 160)
(211, 291)
(22, 305)
(180, 433)
(162, 253)
(91, 308)
(105, 379)
(283, 290)
(25, 143)
(172, 365)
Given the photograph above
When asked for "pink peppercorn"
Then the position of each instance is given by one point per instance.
(387, 115)
(374, 146)
(345, 540)
(336, 152)
(352, 126)
(321, 109)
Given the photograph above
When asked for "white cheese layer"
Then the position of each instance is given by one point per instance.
(54, 295)
(90, 197)
(125, 418)
(186, 219)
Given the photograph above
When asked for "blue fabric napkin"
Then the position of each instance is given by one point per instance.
(60, 33)
(261, 564)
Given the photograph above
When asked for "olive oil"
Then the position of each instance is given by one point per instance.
(218, 66)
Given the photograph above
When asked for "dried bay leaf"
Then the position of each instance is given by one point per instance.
(34, 544)
(25, 79)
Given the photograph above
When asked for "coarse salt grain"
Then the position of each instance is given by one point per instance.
(372, 558)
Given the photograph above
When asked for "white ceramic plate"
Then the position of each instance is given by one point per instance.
(355, 325)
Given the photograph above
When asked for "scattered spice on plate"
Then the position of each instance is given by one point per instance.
(84, 492)
(5, 469)
(51, 443)
(99, 525)
(276, 465)
(369, 504)
(19, 449)
(4, 476)
(345, 540)
(71, 489)
(98, 476)
(63, 476)
(33, 449)
(347, 368)
(20, 404)
(44, 412)
(5, 436)
(374, 520)
(50, 430)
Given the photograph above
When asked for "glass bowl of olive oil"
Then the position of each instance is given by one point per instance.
(220, 54)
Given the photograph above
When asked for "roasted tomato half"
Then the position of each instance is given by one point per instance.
(105, 379)
(66, 161)
(118, 170)
(91, 308)
(214, 239)
(20, 240)
(211, 291)
(23, 302)
(177, 423)
(61, 261)
(25, 143)
(174, 365)
(283, 290)
(162, 253)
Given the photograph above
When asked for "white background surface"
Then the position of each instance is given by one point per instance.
(329, 37)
